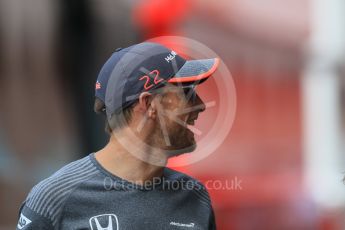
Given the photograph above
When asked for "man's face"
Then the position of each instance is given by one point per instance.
(178, 107)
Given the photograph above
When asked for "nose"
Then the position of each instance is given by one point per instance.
(199, 103)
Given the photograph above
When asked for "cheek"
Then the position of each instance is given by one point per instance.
(174, 120)
(171, 106)
(174, 127)
(184, 118)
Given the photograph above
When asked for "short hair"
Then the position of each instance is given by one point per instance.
(117, 121)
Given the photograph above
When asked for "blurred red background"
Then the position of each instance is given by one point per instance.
(51, 53)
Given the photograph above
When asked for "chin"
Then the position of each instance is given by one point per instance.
(182, 149)
(190, 148)
(181, 142)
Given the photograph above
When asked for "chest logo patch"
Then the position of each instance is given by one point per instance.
(104, 222)
(23, 221)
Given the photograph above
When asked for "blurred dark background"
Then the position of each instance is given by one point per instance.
(286, 58)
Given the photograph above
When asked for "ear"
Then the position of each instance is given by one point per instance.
(146, 105)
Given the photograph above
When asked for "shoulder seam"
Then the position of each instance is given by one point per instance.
(203, 196)
(49, 195)
(59, 217)
(54, 211)
(199, 190)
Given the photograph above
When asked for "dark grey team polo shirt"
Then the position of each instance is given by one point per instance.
(83, 195)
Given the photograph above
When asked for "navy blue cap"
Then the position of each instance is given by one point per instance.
(145, 67)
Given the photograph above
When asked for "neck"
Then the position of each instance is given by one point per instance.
(129, 164)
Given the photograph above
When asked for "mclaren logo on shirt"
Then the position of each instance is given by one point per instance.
(104, 222)
(23, 221)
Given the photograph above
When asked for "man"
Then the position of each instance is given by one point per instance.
(147, 94)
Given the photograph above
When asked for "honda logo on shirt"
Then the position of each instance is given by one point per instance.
(104, 222)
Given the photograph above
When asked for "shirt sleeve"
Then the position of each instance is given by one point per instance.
(201, 191)
(31, 220)
(212, 222)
